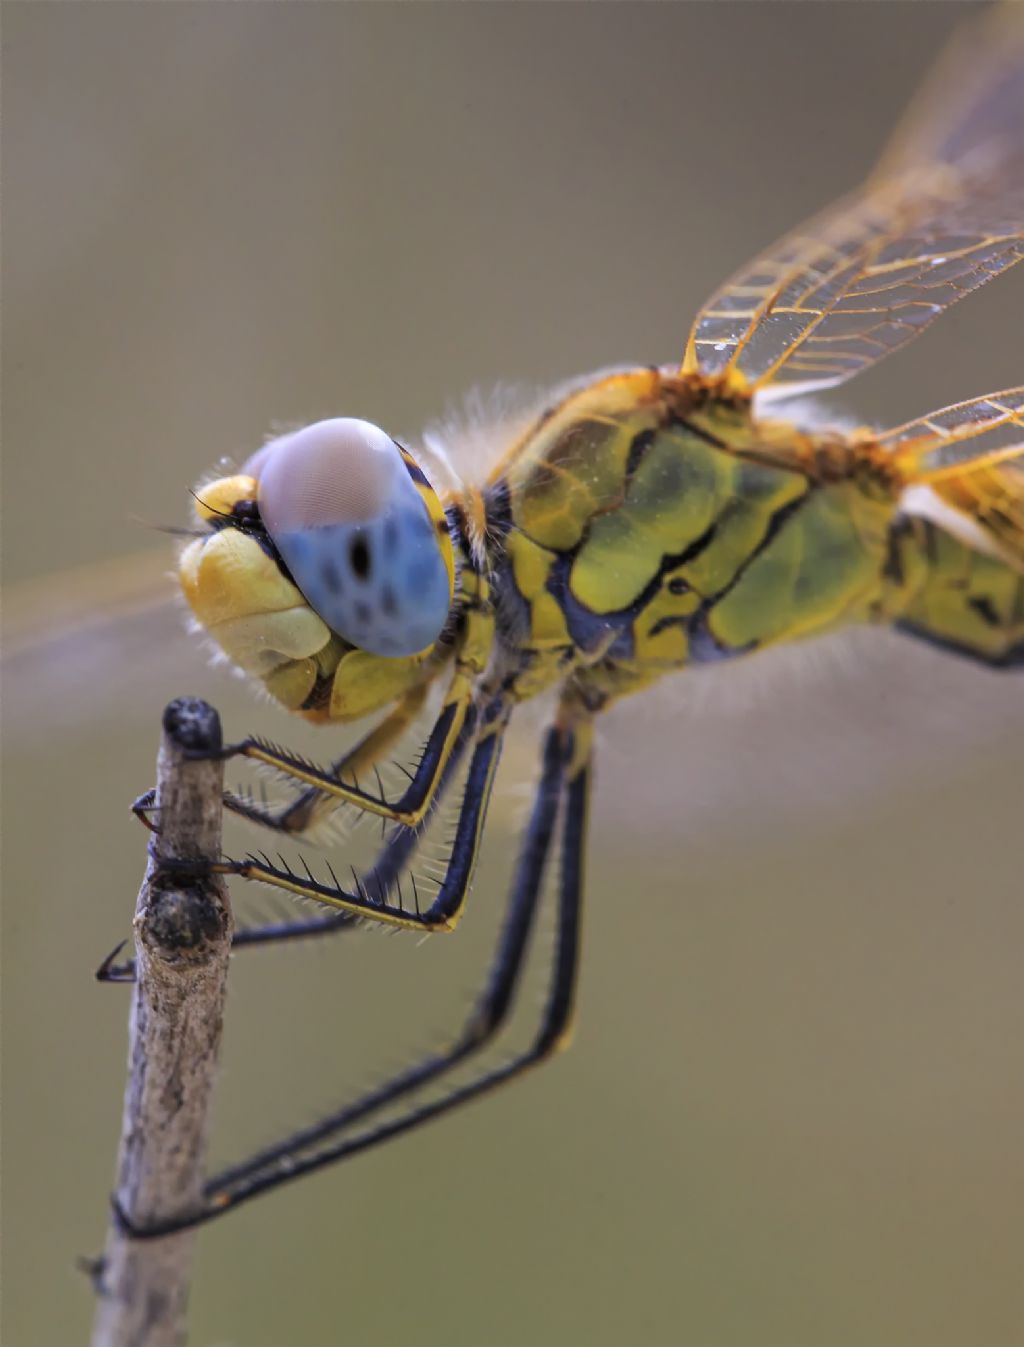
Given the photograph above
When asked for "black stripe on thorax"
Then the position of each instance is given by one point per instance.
(590, 630)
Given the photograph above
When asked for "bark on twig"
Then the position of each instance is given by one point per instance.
(182, 942)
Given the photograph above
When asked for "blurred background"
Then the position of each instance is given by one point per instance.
(792, 1113)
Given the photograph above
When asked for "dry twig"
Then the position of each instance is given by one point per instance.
(182, 942)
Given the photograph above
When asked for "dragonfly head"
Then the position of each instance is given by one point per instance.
(326, 568)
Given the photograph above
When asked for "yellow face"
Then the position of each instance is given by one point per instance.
(326, 570)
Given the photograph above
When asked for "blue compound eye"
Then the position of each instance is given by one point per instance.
(342, 507)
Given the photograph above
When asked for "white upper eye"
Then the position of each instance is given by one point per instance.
(341, 508)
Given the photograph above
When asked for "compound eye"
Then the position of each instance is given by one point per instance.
(351, 521)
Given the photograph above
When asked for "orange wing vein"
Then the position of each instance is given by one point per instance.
(971, 456)
(943, 214)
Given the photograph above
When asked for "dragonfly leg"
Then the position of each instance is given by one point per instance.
(372, 898)
(381, 879)
(564, 786)
(328, 783)
(326, 787)
(296, 817)
(300, 815)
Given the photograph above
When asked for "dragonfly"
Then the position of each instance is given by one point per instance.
(647, 522)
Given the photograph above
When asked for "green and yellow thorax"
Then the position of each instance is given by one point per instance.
(647, 523)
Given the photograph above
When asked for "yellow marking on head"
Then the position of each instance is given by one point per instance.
(292, 683)
(229, 575)
(257, 617)
(217, 499)
(365, 682)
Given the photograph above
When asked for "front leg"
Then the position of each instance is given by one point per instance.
(328, 784)
(372, 898)
(380, 881)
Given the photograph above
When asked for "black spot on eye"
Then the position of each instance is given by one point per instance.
(359, 556)
(331, 576)
(388, 603)
(246, 509)
(363, 614)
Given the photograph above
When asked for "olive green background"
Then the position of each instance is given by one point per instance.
(792, 1114)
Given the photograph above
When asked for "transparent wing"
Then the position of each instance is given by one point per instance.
(98, 644)
(971, 456)
(50, 607)
(943, 214)
(990, 428)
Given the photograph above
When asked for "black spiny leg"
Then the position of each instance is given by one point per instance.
(446, 907)
(379, 881)
(370, 900)
(566, 772)
(299, 816)
(327, 788)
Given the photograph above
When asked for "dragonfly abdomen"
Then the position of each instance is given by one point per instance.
(965, 598)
